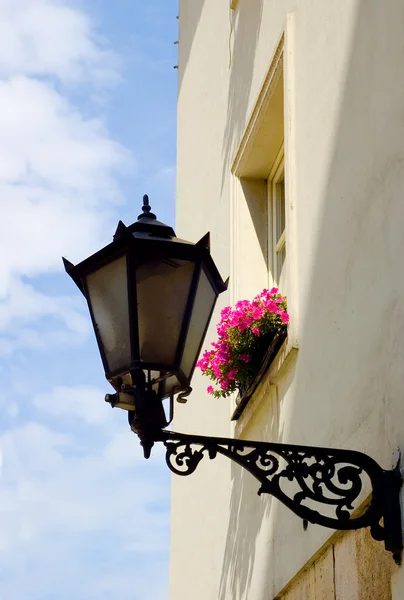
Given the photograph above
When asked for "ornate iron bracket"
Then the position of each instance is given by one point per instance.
(297, 475)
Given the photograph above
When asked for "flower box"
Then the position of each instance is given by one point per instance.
(249, 335)
(247, 391)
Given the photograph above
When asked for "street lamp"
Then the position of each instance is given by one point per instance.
(151, 296)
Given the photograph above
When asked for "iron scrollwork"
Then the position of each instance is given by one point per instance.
(298, 475)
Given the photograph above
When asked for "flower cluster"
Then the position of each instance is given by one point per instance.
(244, 334)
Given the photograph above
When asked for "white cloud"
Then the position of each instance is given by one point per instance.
(67, 323)
(50, 143)
(24, 303)
(83, 402)
(36, 339)
(56, 172)
(52, 501)
(49, 37)
(57, 167)
(77, 499)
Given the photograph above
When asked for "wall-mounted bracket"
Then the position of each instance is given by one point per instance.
(296, 475)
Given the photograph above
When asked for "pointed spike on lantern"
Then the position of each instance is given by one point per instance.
(147, 447)
(120, 231)
(205, 241)
(226, 283)
(146, 203)
(146, 208)
(67, 265)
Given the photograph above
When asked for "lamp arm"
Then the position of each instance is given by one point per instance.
(332, 479)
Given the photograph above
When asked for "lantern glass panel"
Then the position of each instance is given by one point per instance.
(203, 305)
(163, 288)
(108, 297)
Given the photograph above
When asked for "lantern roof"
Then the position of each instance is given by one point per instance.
(150, 237)
(146, 225)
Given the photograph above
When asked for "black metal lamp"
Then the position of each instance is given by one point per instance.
(151, 297)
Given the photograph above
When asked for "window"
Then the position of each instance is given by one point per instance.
(277, 223)
(262, 222)
(259, 211)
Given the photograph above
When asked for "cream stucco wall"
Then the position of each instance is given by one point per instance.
(344, 155)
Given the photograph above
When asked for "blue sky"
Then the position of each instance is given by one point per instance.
(87, 126)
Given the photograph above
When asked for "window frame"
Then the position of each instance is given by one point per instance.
(276, 243)
(249, 186)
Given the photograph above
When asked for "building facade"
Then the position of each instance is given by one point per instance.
(291, 153)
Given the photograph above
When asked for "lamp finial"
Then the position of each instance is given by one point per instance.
(146, 208)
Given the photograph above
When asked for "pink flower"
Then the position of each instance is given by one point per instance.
(226, 312)
(245, 358)
(284, 317)
(232, 373)
(243, 304)
(221, 329)
(257, 312)
(271, 305)
(223, 352)
(209, 389)
(203, 363)
(216, 370)
(255, 331)
(224, 384)
(274, 290)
